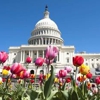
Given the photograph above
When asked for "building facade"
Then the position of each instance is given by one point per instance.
(46, 32)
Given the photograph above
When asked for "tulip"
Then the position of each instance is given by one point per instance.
(28, 60)
(5, 72)
(32, 75)
(6, 67)
(97, 80)
(88, 85)
(89, 75)
(3, 57)
(62, 73)
(84, 69)
(24, 74)
(68, 80)
(51, 52)
(13, 76)
(32, 81)
(81, 78)
(16, 68)
(39, 61)
(48, 62)
(1, 80)
(68, 69)
(78, 61)
(56, 80)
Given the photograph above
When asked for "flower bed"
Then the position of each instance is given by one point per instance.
(66, 85)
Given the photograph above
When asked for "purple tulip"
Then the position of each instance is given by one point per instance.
(51, 52)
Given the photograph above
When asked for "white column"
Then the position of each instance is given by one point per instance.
(59, 56)
(55, 41)
(51, 41)
(24, 56)
(39, 41)
(32, 56)
(21, 57)
(37, 54)
(45, 41)
(29, 53)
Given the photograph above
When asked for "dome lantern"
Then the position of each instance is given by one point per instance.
(46, 13)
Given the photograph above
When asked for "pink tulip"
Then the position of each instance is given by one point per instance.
(3, 57)
(62, 73)
(28, 60)
(97, 80)
(39, 61)
(51, 52)
(16, 68)
(57, 75)
(68, 69)
(13, 76)
(26, 74)
(48, 62)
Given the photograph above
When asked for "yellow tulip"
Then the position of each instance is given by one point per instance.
(84, 69)
(56, 80)
(5, 72)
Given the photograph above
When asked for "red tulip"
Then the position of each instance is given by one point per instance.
(78, 61)
(16, 68)
(6, 67)
(68, 80)
(51, 52)
(24, 74)
(3, 57)
(97, 80)
(89, 75)
(39, 61)
(32, 81)
(28, 60)
(62, 73)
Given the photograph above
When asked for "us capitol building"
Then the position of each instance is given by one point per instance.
(46, 32)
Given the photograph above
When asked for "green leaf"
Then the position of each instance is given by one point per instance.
(49, 83)
(63, 87)
(52, 95)
(80, 94)
(65, 94)
(33, 94)
(74, 95)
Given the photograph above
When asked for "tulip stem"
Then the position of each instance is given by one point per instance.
(76, 75)
(36, 75)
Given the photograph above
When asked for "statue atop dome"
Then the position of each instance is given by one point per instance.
(46, 8)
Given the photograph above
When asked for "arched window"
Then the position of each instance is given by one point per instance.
(31, 71)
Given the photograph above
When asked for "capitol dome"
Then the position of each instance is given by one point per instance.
(46, 22)
(45, 32)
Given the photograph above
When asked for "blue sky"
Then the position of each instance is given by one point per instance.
(78, 21)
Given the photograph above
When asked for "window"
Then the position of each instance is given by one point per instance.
(14, 53)
(67, 53)
(67, 60)
(27, 53)
(86, 63)
(92, 65)
(31, 71)
(41, 72)
(34, 53)
(92, 59)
